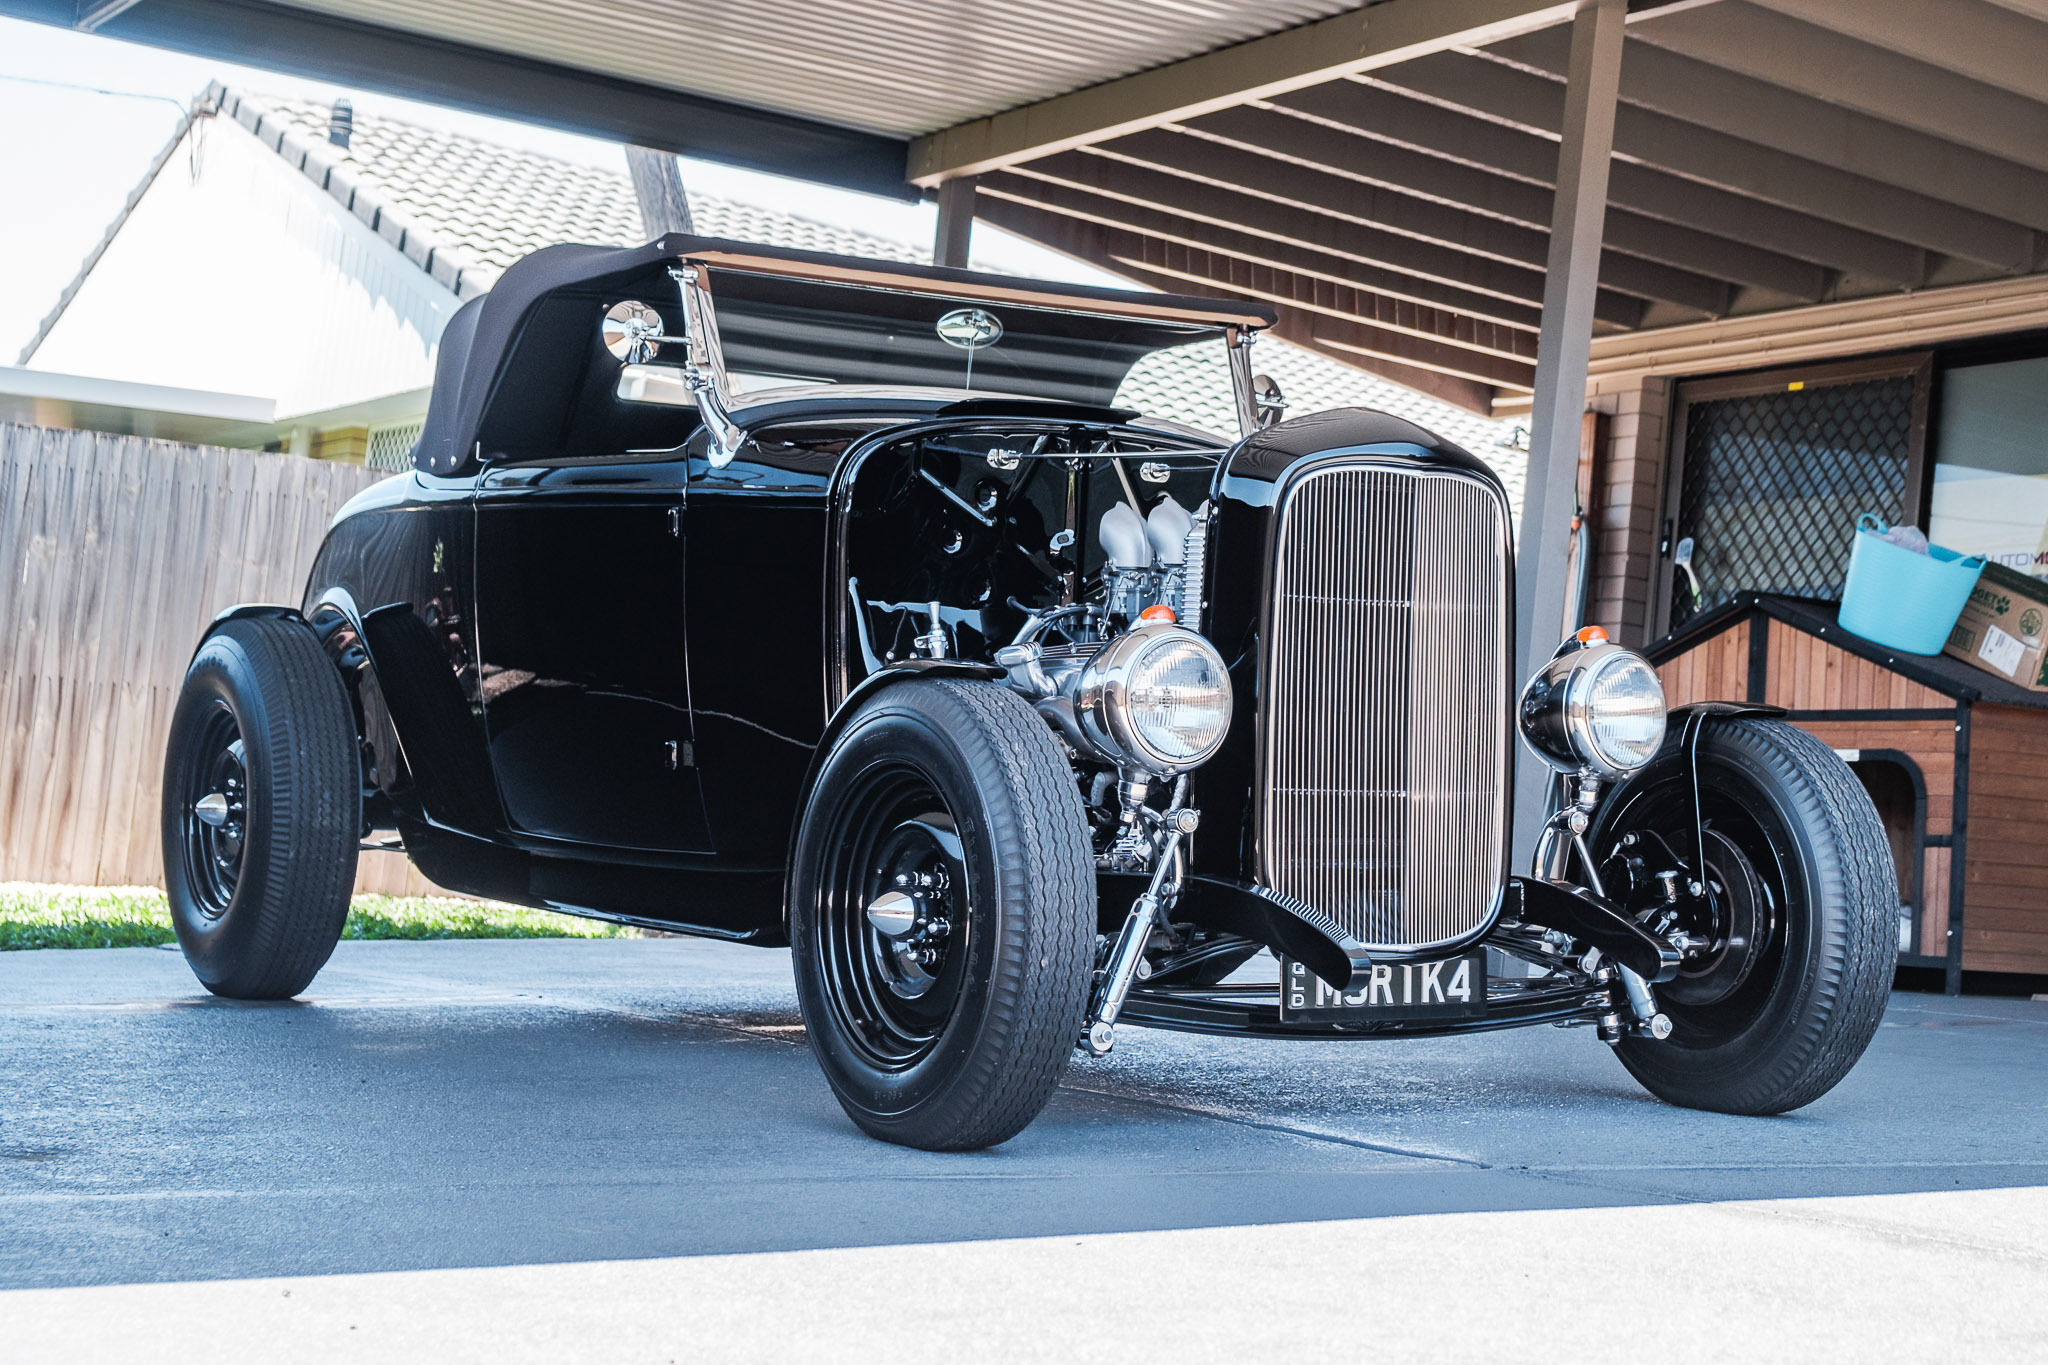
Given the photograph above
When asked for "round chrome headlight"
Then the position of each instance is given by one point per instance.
(1598, 708)
(1157, 698)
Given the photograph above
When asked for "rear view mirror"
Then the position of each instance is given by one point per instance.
(1267, 398)
(632, 331)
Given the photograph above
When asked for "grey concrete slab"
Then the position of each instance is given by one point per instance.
(442, 1105)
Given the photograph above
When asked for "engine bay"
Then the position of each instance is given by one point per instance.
(1074, 528)
(1072, 555)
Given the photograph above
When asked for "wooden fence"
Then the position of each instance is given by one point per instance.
(116, 551)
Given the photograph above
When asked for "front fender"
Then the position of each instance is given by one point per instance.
(247, 611)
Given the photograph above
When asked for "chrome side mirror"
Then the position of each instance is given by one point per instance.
(632, 331)
(1267, 398)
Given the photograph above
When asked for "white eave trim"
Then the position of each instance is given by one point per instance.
(1828, 330)
(121, 393)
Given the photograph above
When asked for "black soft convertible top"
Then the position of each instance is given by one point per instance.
(480, 336)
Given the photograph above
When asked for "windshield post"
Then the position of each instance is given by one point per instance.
(1239, 340)
(704, 365)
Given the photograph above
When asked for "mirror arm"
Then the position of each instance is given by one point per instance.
(703, 369)
(1240, 341)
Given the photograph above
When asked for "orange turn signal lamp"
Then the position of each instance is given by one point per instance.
(1159, 611)
(1591, 635)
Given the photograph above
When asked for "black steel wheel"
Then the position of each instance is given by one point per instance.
(262, 810)
(1801, 932)
(942, 915)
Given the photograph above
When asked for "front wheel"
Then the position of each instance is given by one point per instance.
(262, 810)
(942, 915)
(1789, 991)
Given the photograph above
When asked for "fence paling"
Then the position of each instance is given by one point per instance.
(115, 551)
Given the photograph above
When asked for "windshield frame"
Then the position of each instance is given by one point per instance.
(1239, 324)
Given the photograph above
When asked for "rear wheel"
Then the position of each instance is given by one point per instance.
(262, 810)
(1803, 938)
(942, 915)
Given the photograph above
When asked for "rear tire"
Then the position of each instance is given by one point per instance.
(950, 1035)
(259, 879)
(1792, 833)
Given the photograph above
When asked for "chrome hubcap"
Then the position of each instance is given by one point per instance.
(910, 916)
(893, 914)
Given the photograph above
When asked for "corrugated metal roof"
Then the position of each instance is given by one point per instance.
(889, 66)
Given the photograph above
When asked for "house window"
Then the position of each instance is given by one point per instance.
(1773, 469)
(1990, 494)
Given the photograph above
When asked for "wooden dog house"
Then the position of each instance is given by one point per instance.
(1955, 758)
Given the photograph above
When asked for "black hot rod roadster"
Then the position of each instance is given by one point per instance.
(797, 599)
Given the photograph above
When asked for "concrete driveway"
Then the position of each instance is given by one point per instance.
(620, 1150)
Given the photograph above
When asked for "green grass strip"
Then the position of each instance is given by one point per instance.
(36, 916)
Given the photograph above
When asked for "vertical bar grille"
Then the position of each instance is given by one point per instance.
(1385, 747)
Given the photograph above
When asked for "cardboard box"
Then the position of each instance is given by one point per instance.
(2004, 627)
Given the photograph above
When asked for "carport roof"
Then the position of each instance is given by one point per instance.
(1384, 174)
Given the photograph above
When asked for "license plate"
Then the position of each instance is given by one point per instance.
(1452, 989)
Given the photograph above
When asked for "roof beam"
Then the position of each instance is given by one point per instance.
(1497, 89)
(1333, 338)
(1215, 166)
(1103, 181)
(1284, 288)
(1361, 337)
(1389, 166)
(304, 42)
(1102, 246)
(1065, 202)
(1358, 40)
(1396, 117)
(1979, 41)
(93, 13)
(1800, 125)
(1783, 51)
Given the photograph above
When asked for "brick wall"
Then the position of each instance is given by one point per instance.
(1628, 505)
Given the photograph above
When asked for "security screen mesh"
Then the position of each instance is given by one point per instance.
(1773, 484)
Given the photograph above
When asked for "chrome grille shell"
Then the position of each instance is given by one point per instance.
(1384, 711)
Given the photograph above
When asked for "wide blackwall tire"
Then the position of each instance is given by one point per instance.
(1781, 1008)
(262, 810)
(942, 915)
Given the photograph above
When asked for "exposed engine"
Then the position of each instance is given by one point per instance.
(1075, 563)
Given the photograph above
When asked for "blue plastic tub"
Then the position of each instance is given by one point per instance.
(1902, 600)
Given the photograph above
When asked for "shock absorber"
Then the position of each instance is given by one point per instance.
(1162, 891)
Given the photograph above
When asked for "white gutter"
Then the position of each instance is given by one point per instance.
(121, 393)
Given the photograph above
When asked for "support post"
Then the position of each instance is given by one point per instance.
(1563, 350)
(658, 185)
(956, 221)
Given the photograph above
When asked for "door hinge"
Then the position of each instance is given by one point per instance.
(679, 753)
(675, 521)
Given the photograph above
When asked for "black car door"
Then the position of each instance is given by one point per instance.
(580, 597)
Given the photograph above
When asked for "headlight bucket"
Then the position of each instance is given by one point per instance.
(1156, 698)
(1596, 708)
